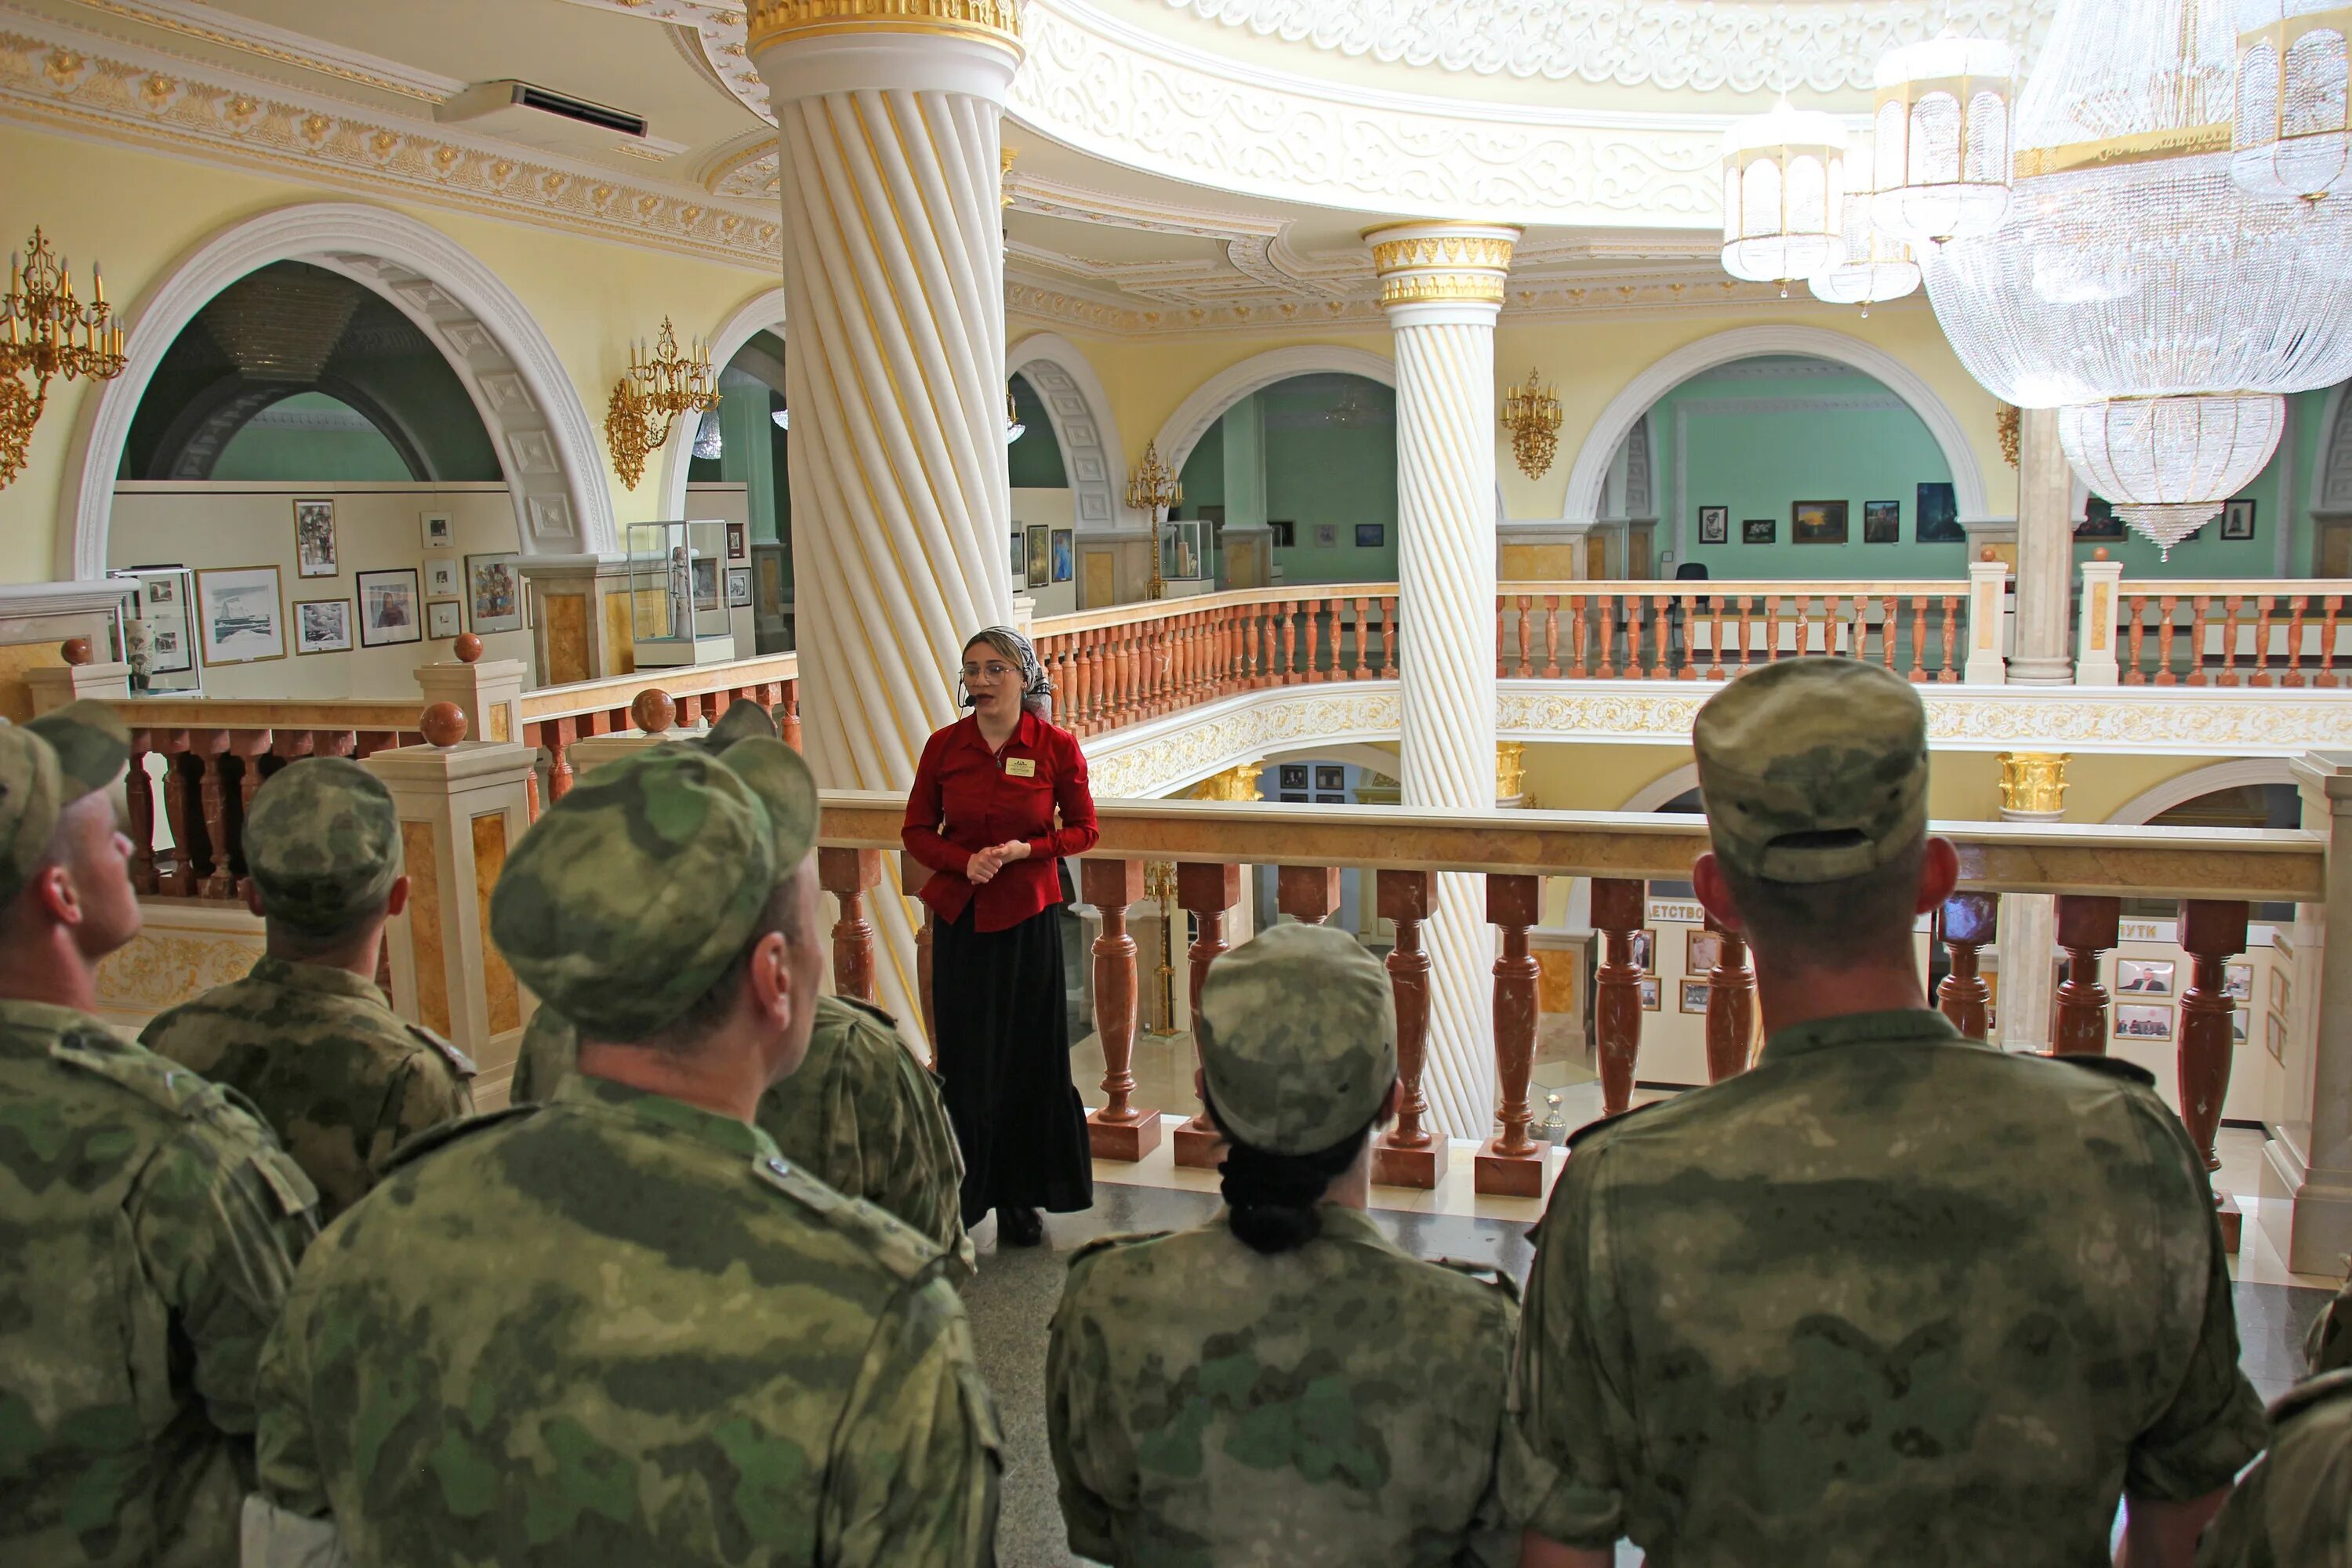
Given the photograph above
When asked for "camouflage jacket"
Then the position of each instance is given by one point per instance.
(1209, 1406)
(860, 1114)
(1891, 1296)
(152, 1230)
(2293, 1509)
(616, 1329)
(339, 1076)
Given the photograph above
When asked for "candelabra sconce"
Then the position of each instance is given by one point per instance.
(2007, 422)
(660, 385)
(1159, 885)
(1531, 414)
(50, 333)
(1152, 487)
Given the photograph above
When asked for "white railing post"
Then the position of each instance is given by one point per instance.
(2306, 1176)
(2094, 633)
(1987, 609)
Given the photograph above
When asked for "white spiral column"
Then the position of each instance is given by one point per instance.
(894, 285)
(1441, 285)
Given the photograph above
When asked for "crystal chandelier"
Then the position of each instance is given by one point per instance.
(1871, 266)
(2291, 136)
(1783, 194)
(1943, 126)
(2133, 285)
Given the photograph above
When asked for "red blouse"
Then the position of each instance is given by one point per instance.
(967, 798)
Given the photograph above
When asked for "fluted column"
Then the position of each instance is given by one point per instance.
(1441, 285)
(894, 285)
(2032, 789)
(2046, 555)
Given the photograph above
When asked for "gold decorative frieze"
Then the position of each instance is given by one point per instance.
(769, 22)
(1443, 250)
(1424, 287)
(1510, 769)
(2033, 782)
(1236, 783)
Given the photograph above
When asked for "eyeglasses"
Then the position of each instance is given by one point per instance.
(992, 670)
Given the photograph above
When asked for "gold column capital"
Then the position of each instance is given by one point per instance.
(771, 22)
(1236, 783)
(2033, 782)
(1435, 262)
(1510, 769)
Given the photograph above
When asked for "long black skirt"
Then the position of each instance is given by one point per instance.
(1004, 1063)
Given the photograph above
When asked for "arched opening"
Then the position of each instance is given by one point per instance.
(738, 470)
(1307, 464)
(1041, 498)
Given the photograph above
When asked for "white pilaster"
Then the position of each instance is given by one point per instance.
(2032, 789)
(2045, 553)
(1988, 612)
(1441, 285)
(894, 282)
(2306, 1175)
(2095, 638)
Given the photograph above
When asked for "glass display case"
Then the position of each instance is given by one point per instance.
(677, 594)
(159, 631)
(1184, 550)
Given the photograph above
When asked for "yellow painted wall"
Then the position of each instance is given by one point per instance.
(138, 212)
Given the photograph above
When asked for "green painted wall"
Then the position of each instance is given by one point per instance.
(1315, 472)
(262, 452)
(2207, 554)
(1035, 459)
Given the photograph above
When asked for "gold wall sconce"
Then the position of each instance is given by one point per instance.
(50, 333)
(660, 385)
(1531, 414)
(2007, 422)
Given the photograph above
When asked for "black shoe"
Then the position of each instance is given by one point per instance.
(1020, 1228)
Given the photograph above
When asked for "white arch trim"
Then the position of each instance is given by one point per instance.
(2335, 436)
(762, 312)
(1608, 433)
(2179, 790)
(1078, 407)
(1663, 788)
(547, 445)
(1208, 402)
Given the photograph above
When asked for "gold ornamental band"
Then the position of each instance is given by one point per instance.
(989, 21)
(1442, 250)
(2143, 147)
(2032, 781)
(1429, 288)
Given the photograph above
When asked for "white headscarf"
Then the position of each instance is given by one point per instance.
(1037, 691)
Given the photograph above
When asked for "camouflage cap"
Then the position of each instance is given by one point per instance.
(631, 895)
(786, 787)
(1297, 1038)
(322, 843)
(742, 722)
(92, 745)
(32, 796)
(1813, 770)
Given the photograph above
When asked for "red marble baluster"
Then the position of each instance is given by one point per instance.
(2165, 630)
(139, 802)
(1526, 636)
(1206, 891)
(1307, 894)
(2298, 605)
(1730, 1006)
(1965, 923)
(2333, 604)
(2087, 927)
(1511, 1163)
(2212, 932)
(847, 874)
(1715, 637)
(1918, 635)
(1388, 636)
(211, 747)
(1406, 1155)
(1619, 907)
(1551, 636)
(1120, 1130)
(1576, 633)
(2261, 675)
(2136, 672)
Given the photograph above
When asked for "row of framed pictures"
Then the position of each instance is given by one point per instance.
(1936, 521)
(1043, 556)
(240, 611)
(2101, 524)
(1326, 535)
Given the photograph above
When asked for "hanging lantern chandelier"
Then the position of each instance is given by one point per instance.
(1783, 194)
(1871, 266)
(2133, 284)
(2291, 136)
(1943, 139)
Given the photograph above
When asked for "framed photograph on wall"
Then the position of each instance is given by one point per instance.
(441, 619)
(2274, 1037)
(2278, 993)
(1293, 775)
(1020, 555)
(2143, 1021)
(738, 587)
(1758, 530)
(163, 607)
(2143, 976)
(1693, 996)
(239, 617)
(441, 579)
(1645, 951)
(494, 591)
(440, 530)
(1331, 776)
(1702, 951)
(322, 625)
(1817, 522)
(739, 546)
(1327, 536)
(1285, 531)
(314, 539)
(1650, 994)
(2099, 523)
(706, 585)
(391, 610)
(1882, 523)
(2238, 519)
(1065, 563)
(1371, 535)
(2238, 981)
(1037, 555)
(1715, 525)
(1937, 519)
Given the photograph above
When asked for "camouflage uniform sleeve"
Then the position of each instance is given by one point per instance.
(287, 1461)
(220, 1231)
(927, 1175)
(425, 1093)
(1558, 1471)
(2213, 1423)
(915, 1467)
(1093, 1461)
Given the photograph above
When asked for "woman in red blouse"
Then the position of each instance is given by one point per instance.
(999, 797)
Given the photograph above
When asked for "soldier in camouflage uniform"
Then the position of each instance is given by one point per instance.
(1891, 1296)
(1281, 1385)
(861, 1115)
(2293, 1509)
(306, 1034)
(150, 1224)
(620, 1327)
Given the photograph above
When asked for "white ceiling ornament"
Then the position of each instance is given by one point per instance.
(1632, 43)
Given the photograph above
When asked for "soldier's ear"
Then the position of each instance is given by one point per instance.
(1714, 892)
(1939, 873)
(395, 898)
(253, 899)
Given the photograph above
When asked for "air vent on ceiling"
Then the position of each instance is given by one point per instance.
(541, 117)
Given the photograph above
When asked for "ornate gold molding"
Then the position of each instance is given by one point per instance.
(1422, 287)
(1443, 250)
(1510, 769)
(1236, 783)
(769, 22)
(2033, 782)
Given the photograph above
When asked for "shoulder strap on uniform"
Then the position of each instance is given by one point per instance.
(448, 1132)
(459, 1062)
(2312, 1393)
(1486, 1274)
(159, 1080)
(870, 1010)
(896, 1244)
(1590, 1128)
(2109, 1067)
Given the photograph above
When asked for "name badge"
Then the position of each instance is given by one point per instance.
(1020, 767)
